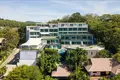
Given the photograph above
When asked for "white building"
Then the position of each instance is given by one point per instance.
(27, 57)
(63, 33)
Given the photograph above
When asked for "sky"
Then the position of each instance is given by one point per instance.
(45, 10)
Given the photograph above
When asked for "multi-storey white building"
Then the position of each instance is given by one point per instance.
(63, 33)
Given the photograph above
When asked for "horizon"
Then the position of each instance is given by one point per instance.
(43, 11)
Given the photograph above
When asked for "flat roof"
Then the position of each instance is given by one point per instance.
(86, 47)
(100, 64)
(28, 54)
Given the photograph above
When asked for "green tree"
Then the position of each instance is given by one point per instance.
(104, 54)
(116, 77)
(76, 57)
(2, 71)
(25, 73)
(48, 60)
(117, 57)
(49, 78)
(78, 74)
(12, 37)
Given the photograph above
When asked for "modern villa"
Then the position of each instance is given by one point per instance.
(66, 35)
(63, 33)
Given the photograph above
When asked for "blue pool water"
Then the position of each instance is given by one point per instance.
(61, 51)
(58, 47)
(54, 46)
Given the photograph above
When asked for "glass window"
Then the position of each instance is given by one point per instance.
(60, 29)
(79, 29)
(74, 29)
(90, 37)
(70, 29)
(51, 30)
(73, 42)
(73, 37)
(55, 34)
(41, 30)
(84, 37)
(84, 42)
(80, 24)
(71, 24)
(62, 24)
(31, 27)
(78, 42)
(32, 33)
(65, 29)
(55, 30)
(78, 37)
(46, 30)
(84, 29)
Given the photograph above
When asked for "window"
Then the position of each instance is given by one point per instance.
(79, 29)
(65, 29)
(32, 33)
(70, 29)
(46, 30)
(84, 29)
(31, 27)
(78, 42)
(78, 37)
(71, 24)
(90, 37)
(73, 37)
(91, 53)
(74, 29)
(84, 37)
(80, 24)
(41, 30)
(55, 30)
(60, 29)
(62, 42)
(84, 42)
(62, 24)
(67, 42)
(55, 34)
(51, 30)
(73, 42)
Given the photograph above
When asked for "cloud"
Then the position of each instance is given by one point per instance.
(53, 9)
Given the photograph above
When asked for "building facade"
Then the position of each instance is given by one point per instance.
(64, 33)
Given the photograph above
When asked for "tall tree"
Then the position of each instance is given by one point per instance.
(48, 60)
(75, 58)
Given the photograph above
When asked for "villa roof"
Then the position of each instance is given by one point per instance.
(61, 71)
(93, 47)
(100, 64)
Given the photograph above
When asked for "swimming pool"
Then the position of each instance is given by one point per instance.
(54, 46)
(61, 51)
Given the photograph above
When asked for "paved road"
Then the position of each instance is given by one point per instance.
(10, 57)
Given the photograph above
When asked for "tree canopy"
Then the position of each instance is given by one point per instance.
(48, 60)
(25, 73)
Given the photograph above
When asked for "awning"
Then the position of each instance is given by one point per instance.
(32, 42)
